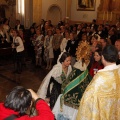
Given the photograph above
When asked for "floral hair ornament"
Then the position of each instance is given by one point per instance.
(83, 52)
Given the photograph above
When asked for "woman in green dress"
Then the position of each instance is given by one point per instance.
(73, 86)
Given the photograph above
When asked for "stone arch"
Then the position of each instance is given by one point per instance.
(54, 14)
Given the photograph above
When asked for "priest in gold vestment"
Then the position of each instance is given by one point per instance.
(101, 100)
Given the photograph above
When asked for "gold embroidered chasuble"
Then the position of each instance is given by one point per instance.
(101, 100)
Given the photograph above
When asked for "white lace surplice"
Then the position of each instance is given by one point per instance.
(56, 74)
(67, 112)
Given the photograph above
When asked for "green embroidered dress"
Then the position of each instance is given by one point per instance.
(72, 90)
(74, 86)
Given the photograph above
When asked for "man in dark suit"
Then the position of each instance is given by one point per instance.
(117, 45)
(79, 32)
(100, 31)
(71, 46)
(19, 26)
(88, 31)
(112, 35)
(93, 25)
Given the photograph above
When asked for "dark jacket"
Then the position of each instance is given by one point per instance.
(71, 47)
(113, 38)
(20, 27)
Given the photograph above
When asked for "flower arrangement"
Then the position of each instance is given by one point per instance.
(83, 52)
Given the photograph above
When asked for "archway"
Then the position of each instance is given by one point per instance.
(54, 14)
(2, 11)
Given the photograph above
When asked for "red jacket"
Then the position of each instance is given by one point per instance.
(44, 112)
(95, 66)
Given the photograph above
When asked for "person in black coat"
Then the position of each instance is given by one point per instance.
(88, 31)
(93, 25)
(112, 35)
(100, 31)
(79, 32)
(19, 26)
(71, 46)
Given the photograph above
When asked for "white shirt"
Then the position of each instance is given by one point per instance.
(18, 27)
(63, 44)
(20, 46)
(110, 67)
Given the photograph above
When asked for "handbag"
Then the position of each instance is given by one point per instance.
(11, 117)
(62, 117)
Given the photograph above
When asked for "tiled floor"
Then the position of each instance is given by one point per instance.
(31, 77)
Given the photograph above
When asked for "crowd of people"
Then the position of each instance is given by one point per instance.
(45, 42)
(83, 59)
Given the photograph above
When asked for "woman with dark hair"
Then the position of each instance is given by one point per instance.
(18, 48)
(31, 51)
(34, 25)
(57, 39)
(38, 46)
(51, 85)
(19, 100)
(69, 81)
(97, 64)
(48, 49)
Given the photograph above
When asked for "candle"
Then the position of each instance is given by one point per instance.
(104, 15)
(111, 16)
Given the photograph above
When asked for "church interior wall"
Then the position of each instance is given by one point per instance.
(84, 16)
(35, 10)
(47, 3)
(10, 12)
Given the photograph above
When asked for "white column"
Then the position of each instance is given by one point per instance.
(66, 8)
(28, 15)
(20, 4)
